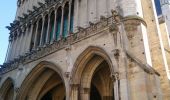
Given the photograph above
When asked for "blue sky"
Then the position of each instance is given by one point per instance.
(7, 15)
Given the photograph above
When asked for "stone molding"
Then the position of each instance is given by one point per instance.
(93, 29)
(57, 45)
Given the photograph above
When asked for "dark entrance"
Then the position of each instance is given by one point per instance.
(94, 93)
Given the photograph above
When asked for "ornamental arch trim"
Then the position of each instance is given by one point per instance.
(85, 57)
(34, 73)
(6, 85)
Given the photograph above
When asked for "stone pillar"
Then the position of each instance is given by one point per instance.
(86, 24)
(95, 11)
(55, 27)
(48, 31)
(115, 78)
(15, 46)
(42, 31)
(27, 49)
(36, 35)
(11, 47)
(83, 13)
(20, 43)
(123, 78)
(69, 17)
(85, 93)
(76, 15)
(25, 39)
(107, 8)
(74, 92)
(62, 20)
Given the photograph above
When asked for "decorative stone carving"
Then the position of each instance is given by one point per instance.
(113, 28)
(67, 74)
(63, 43)
(116, 53)
(115, 76)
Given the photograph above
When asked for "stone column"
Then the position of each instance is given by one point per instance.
(69, 17)
(62, 20)
(55, 27)
(95, 13)
(29, 38)
(42, 31)
(11, 47)
(25, 40)
(107, 8)
(20, 43)
(86, 23)
(15, 46)
(48, 31)
(116, 85)
(36, 35)
(76, 16)
(85, 93)
(74, 92)
(123, 78)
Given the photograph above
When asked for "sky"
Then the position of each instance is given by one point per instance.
(7, 15)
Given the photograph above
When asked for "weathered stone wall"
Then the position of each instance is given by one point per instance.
(155, 45)
(164, 35)
(119, 40)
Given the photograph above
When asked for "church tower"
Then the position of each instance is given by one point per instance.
(82, 50)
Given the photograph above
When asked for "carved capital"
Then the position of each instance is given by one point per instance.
(67, 74)
(116, 53)
(115, 76)
(113, 28)
(116, 16)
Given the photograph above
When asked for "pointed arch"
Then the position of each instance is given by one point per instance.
(93, 70)
(7, 89)
(36, 84)
(84, 57)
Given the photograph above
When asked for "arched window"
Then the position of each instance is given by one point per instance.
(72, 17)
(39, 32)
(59, 13)
(45, 30)
(51, 25)
(33, 36)
(65, 22)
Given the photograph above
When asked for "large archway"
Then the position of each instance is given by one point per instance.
(92, 73)
(45, 82)
(7, 90)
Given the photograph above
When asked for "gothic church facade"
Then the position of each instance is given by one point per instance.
(87, 50)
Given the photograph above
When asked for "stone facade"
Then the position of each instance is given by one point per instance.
(86, 50)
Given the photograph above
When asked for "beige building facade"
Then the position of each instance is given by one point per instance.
(86, 50)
